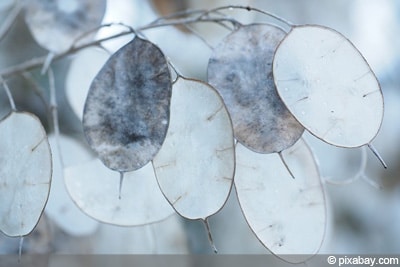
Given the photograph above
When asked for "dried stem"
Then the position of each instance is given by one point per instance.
(121, 180)
(286, 165)
(162, 22)
(47, 63)
(39, 61)
(54, 115)
(9, 95)
(21, 243)
(376, 153)
(209, 235)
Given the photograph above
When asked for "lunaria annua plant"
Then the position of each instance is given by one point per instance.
(173, 139)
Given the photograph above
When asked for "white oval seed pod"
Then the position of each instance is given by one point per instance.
(25, 173)
(195, 165)
(328, 86)
(287, 215)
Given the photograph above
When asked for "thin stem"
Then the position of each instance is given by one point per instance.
(94, 30)
(21, 242)
(39, 61)
(54, 115)
(53, 95)
(47, 62)
(209, 235)
(197, 15)
(249, 8)
(9, 95)
(286, 165)
(177, 73)
(187, 21)
(121, 180)
(376, 153)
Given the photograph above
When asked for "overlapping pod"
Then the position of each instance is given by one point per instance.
(57, 25)
(287, 215)
(240, 68)
(195, 166)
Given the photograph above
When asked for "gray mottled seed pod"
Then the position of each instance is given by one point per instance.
(240, 68)
(126, 113)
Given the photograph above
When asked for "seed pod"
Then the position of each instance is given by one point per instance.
(25, 173)
(328, 86)
(126, 113)
(195, 166)
(56, 25)
(287, 215)
(240, 68)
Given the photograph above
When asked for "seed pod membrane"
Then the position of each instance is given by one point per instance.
(240, 68)
(287, 215)
(126, 114)
(328, 86)
(25, 173)
(195, 166)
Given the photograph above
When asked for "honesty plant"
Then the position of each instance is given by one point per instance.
(164, 142)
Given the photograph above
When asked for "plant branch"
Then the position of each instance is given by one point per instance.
(8, 92)
(39, 61)
(179, 18)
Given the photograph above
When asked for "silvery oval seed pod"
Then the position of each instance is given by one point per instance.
(288, 216)
(328, 86)
(195, 166)
(25, 173)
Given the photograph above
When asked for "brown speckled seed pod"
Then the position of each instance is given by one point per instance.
(240, 68)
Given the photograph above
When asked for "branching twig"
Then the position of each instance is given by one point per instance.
(9, 95)
(39, 61)
(249, 8)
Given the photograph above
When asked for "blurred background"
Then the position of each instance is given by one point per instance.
(363, 205)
